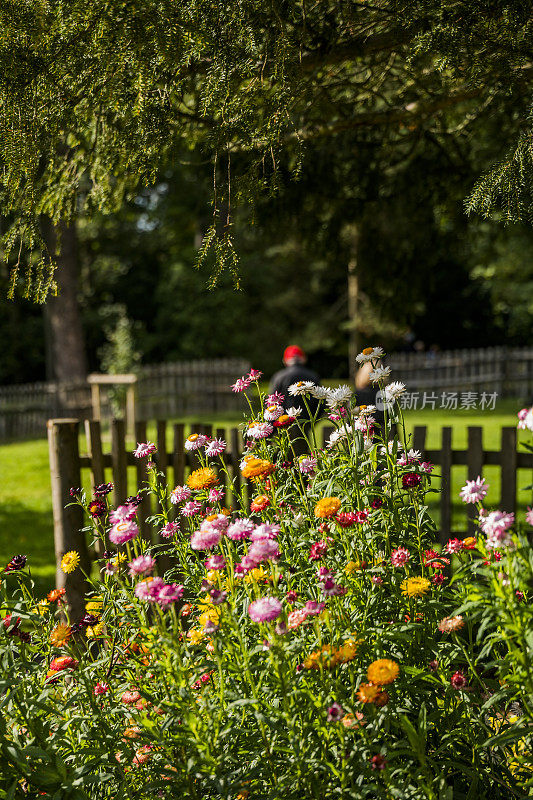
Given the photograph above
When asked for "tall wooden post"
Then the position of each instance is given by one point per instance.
(65, 473)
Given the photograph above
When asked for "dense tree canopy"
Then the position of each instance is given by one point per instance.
(94, 95)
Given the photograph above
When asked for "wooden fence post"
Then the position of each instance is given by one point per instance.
(65, 473)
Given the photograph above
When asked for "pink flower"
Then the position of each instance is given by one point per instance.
(169, 594)
(123, 513)
(273, 412)
(241, 384)
(313, 608)
(179, 494)
(529, 516)
(264, 550)
(495, 526)
(169, 530)
(307, 465)
(318, 550)
(216, 494)
(260, 430)
(215, 447)
(335, 713)
(206, 538)
(216, 561)
(332, 589)
(265, 531)
(220, 523)
(195, 441)
(427, 467)
(275, 399)
(525, 419)
(149, 589)
(400, 557)
(346, 518)
(240, 529)
(454, 546)
(411, 480)
(266, 609)
(254, 374)
(100, 688)
(144, 450)
(376, 580)
(123, 532)
(474, 491)
(247, 564)
(296, 618)
(191, 509)
(141, 565)
(458, 680)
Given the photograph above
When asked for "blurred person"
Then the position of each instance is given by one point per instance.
(295, 370)
(366, 394)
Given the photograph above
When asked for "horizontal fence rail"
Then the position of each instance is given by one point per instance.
(180, 388)
(116, 463)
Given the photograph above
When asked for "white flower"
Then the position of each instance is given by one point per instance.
(294, 412)
(368, 354)
(393, 391)
(273, 412)
(341, 433)
(320, 392)
(260, 430)
(366, 410)
(379, 373)
(340, 396)
(301, 387)
(298, 520)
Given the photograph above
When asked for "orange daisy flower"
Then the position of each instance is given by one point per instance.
(202, 478)
(327, 507)
(383, 671)
(60, 635)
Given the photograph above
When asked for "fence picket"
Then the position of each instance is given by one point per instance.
(144, 508)
(474, 466)
(508, 474)
(178, 456)
(119, 462)
(446, 485)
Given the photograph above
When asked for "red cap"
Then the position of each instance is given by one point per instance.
(293, 351)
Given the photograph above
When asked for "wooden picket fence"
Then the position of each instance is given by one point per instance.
(128, 474)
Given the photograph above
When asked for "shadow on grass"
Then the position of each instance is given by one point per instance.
(30, 532)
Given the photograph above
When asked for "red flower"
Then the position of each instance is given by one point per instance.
(378, 762)
(260, 502)
(317, 551)
(96, 508)
(347, 518)
(411, 480)
(377, 503)
(458, 680)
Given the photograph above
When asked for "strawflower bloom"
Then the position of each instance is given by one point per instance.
(411, 480)
(240, 529)
(70, 561)
(101, 688)
(216, 562)
(60, 635)
(529, 516)
(335, 713)
(266, 609)
(195, 441)
(259, 503)
(241, 384)
(206, 538)
(458, 680)
(191, 509)
(368, 354)
(327, 507)
(63, 662)
(307, 465)
(263, 550)
(144, 450)
(215, 447)
(169, 530)
(103, 489)
(383, 671)
(267, 530)
(123, 532)
(400, 557)
(451, 624)
(261, 430)
(378, 762)
(379, 374)
(202, 478)
(353, 720)
(180, 494)
(16, 563)
(169, 594)
(415, 587)
(55, 594)
(318, 550)
(124, 513)
(368, 692)
(141, 565)
(474, 491)
(454, 546)
(97, 508)
(301, 387)
(496, 526)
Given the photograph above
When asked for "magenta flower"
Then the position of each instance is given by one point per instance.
(263, 550)
(265, 531)
(141, 565)
(240, 529)
(215, 447)
(400, 557)
(123, 532)
(216, 494)
(411, 480)
(123, 513)
(191, 509)
(307, 465)
(454, 546)
(100, 688)
(312, 608)
(169, 594)
(216, 561)
(266, 609)
(496, 526)
(145, 449)
(474, 491)
(529, 516)
(149, 589)
(254, 374)
(335, 713)
(179, 494)
(206, 538)
(275, 399)
(241, 384)
(169, 530)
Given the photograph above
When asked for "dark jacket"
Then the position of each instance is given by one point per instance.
(285, 378)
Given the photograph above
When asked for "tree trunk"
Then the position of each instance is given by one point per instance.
(353, 300)
(65, 346)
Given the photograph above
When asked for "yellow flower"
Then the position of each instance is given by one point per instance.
(60, 635)
(257, 467)
(258, 575)
(415, 587)
(348, 650)
(42, 607)
(119, 559)
(195, 636)
(70, 561)
(95, 631)
(202, 478)
(368, 692)
(383, 671)
(94, 606)
(209, 613)
(470, 542)
(327, 507)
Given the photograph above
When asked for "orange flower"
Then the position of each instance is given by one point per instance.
(353, 720)
(283, 421)
(327, 507)
(257, 467)
(469, 543)
(202, 478)
(368, 692)
(60, 635)
(54, 595)
(260, 502)
(62, 662)
(383, 671)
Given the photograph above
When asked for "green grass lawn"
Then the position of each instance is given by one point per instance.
(25, 504)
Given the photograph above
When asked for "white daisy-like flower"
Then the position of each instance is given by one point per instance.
(367, 410)
(320, 392)
(260, 430)
(301, 387)
(340, 396)
(342, 433)
(273, 412)
(379, 373)
(368, 354)
(294, 411)
(393, 391)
